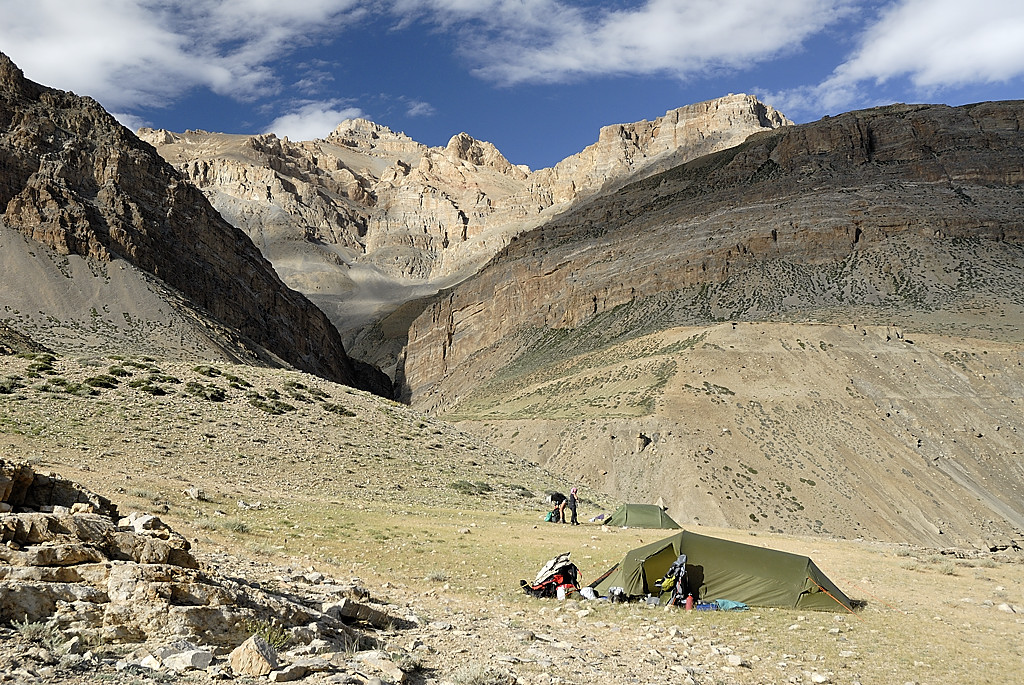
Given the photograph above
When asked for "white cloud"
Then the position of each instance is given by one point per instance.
(418, 108)
(934, 44)
(129, 120)
(517, 41)
(130, 53)
(312, 120)
(938, 43)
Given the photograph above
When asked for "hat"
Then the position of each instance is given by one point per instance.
(573, 491)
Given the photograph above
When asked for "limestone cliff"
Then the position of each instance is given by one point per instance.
(76, 181)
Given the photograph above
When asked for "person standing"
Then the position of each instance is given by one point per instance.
(572, 507)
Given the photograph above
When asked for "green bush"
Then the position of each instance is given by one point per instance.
(61, 385)
(43, 634)
(338, 409)
(10, 384)
(276, 636)
(146, 386)
(207, 392)
(102, 381)
(273, 406)
(464, 487)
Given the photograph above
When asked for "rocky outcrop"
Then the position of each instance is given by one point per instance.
(75, 180)
(623, 151)
(68, 562)
(817, 205)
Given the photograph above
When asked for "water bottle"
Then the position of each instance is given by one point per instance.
(689, 602)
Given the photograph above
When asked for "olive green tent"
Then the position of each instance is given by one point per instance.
(722, 569)
(641, 516)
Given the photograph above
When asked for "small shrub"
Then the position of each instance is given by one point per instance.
(42, 364)
(237, 526)
(147, 387)
(438, 577)
(276, 636)
(338, 409)
(44, 634)
(273, 406)
(479, 674)
(521, 491)
(236, 382)
(102, 381)
(207, 370)
(10, 384)
(464, 487)
(207, 392)
(61, 385)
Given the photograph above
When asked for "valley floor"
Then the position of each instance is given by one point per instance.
(442, 527)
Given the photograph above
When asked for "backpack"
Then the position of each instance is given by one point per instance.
(557, 573)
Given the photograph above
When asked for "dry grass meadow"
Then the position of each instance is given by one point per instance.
(283, 469)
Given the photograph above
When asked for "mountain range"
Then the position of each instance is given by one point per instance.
(811, 328)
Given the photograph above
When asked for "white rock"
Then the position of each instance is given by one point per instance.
(737, 660)
(379, 661)
(287, 674)
(150, 662)
(253, 657)
(192, 659)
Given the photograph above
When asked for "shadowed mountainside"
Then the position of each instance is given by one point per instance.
(76, 181)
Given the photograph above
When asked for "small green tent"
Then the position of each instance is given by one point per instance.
(641, 516)
(722, 569)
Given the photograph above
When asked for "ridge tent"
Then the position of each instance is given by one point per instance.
(722, 569)
(641, 516)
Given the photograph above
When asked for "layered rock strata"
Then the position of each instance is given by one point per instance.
(698, 242)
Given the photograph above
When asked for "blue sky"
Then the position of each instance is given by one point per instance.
(537, 78)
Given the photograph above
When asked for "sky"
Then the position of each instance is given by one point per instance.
(537, 78)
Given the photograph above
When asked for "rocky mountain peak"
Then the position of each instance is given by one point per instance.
(370, 138)
(481, 153)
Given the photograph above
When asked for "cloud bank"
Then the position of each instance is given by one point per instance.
(145, 53)
(934, 45)
(312, 120)
(137, 54)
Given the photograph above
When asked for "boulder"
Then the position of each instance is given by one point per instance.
(254, 657)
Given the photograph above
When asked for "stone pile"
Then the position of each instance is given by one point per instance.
(74, 573)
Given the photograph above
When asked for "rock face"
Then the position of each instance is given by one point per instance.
(778, 224)
(75, 180)
(367, 218)
(69, 561)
